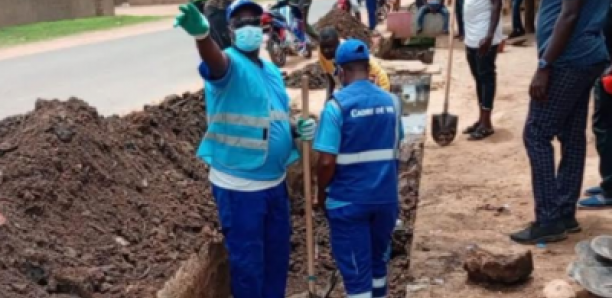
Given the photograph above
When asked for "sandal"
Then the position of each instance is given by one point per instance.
(594, 202)
(470, 129)
(481, 133)
(593, 191)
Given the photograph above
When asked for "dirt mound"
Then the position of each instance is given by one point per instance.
(318, 80)
(346, 25)
(110, 207)
(101, 206)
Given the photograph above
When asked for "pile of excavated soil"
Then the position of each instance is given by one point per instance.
(101, 207)
(110, 207)
(346, 25)
(318, 79)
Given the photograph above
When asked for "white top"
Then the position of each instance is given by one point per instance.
(230, 182)
(476, 16)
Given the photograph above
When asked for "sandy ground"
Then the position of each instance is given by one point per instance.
(458, 179)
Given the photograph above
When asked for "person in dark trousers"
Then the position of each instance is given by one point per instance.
(517, 22)
(459, 18)
(601, 196)
(572, 55)
(483, 33)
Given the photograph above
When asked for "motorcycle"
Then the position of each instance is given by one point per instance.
(279, 41)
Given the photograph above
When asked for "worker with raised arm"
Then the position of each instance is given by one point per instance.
(248, 145)
(357, 172)
(329, 43)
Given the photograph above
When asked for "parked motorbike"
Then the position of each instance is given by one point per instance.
(280, 41)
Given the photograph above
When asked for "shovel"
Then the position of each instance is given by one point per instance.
(444, 126)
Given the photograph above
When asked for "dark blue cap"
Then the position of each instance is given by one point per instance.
(239, 4)
(352, 50)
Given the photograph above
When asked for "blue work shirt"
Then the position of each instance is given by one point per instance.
(280, 140)
(328, 140)
(587, 43)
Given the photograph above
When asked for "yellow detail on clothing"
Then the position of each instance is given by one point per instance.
(380, 77)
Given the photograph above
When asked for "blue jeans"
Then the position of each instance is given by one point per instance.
(432, 8)
(257, 230)
(517, 23)
(360, 236)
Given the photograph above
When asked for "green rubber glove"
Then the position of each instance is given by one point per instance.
(192, 21)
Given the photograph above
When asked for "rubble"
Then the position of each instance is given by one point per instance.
(559, 289)
(346, 25)
(483, 265)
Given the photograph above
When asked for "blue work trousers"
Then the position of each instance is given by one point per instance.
(257, 230)
(360, 241)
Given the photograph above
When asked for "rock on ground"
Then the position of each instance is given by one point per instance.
(346, 25)
(559, 289)
(498, 267)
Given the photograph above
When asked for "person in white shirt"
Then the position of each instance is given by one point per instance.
(483, 34)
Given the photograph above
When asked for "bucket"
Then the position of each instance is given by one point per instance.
(400, 24)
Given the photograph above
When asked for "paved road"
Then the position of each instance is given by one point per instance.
(115, 76)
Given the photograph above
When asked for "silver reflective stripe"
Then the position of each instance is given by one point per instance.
(366, 156)
(249, 120)
(237, 141)
(398, 110)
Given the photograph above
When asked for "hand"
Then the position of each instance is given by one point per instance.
(192, 21)
(306, 128)
(539, 85)
(485, 46)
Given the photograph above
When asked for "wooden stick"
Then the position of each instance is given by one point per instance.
(307, 192)
(449, 65)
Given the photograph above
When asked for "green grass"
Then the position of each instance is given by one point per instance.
(15, 35)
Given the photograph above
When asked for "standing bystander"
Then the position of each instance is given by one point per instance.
(517, 22)
(601, 196)
(483, 33)
(572, 55)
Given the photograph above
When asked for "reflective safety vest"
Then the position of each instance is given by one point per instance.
(366, 165)
(239, 116)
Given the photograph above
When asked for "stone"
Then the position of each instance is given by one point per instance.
(399, 66)
(506, 267)
(559, 289)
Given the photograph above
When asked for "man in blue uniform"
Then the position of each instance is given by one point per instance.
(358, 142)
(248, 145)
(572, 55)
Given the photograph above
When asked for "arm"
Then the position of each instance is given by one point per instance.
(564, 27)
(278, 4)
(496, 8)
(213, 57)
(327, 143)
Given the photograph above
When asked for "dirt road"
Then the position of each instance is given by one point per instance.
(460, 178)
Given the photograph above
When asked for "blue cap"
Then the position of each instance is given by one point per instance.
(352, 50)
(239, 4)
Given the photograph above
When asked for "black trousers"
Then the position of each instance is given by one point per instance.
(602, 128)
(564, 116)
(484, 72)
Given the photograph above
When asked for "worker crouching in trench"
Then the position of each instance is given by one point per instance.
(248, 145)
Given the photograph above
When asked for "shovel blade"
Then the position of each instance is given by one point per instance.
(444, 128)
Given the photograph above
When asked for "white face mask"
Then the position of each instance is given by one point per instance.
(248, 38)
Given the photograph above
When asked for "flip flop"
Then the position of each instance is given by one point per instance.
(481, 133)
(602, 246)
(595, 202)
(593, 191)
(472, 128)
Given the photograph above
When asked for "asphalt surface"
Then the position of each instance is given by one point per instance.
(115, 76)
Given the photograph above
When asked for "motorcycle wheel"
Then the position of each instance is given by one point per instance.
(382, 12)
(275, 50)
